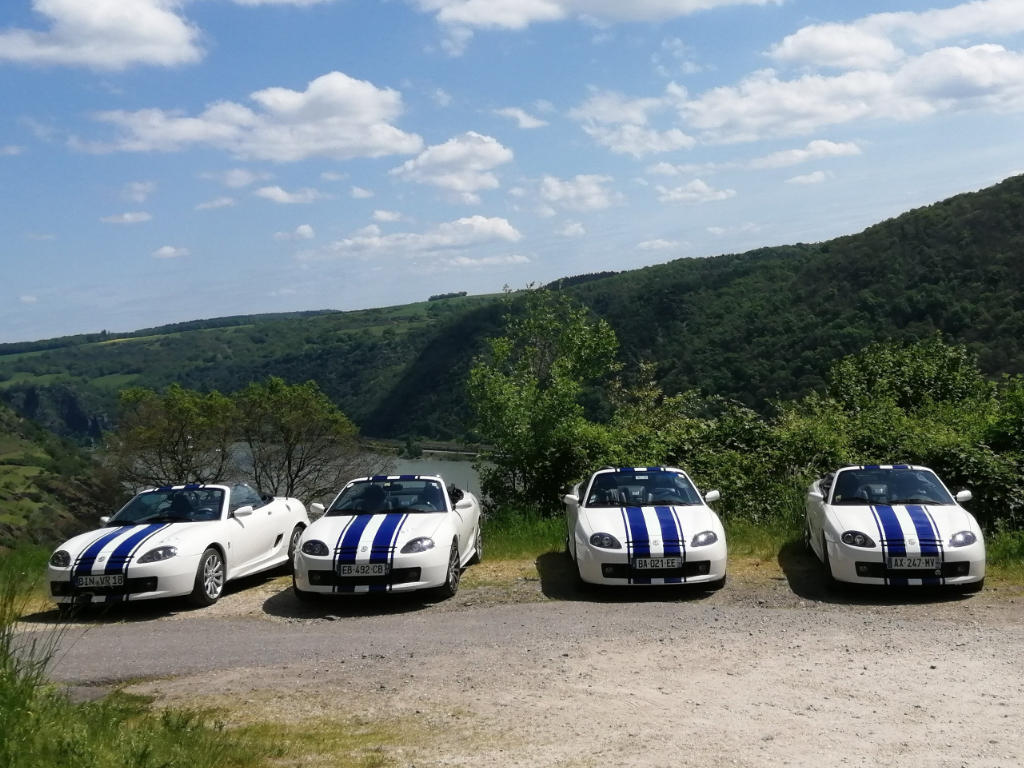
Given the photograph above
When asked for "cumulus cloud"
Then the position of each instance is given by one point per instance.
(696, 191)
(278, 195)
(572, 229)
(808, 178)
(659, 245)
(217, 202)
(138, 191)
(28, 299)
(816, 150)
(522, 117)
(133, 217)
(10, 150)
(360, 194)
(236, 178)
(441, 97)
(638, 141)
(387, 216)
(301, 232)
(449, 236)
(620, 123)
(333, 176)
(105, 34)
(582, 193)
(169, 252)
(336, 116)
(463, 165)
(838, 45)
(486, 261)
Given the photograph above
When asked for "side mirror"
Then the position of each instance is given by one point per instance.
(963, 496)
(816, 495)
(571, 498)
(711, 496)
(105, 519)
(464, 504)
(242, 511)
(317, 509)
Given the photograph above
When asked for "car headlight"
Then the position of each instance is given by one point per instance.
(422, 544)
(704, 538)
(158, 554)
(315, 548)
(605, 541)
(858, 539)
(60, 559)
(962, 539)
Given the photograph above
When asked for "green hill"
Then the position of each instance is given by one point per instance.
(755, 326)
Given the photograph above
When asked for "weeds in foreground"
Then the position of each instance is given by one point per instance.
(522, 534)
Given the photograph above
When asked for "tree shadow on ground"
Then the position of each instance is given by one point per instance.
(323, 606)
(559, 581)
(806, 576)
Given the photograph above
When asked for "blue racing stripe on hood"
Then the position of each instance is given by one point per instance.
(637, 536)
(383, 548)
(86, 560)
(118, 561)
(669, 532)
(926, 534)
(892, 533)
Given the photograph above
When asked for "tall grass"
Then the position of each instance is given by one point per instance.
(513, 534)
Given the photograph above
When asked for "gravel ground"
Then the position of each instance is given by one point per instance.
(521, 670)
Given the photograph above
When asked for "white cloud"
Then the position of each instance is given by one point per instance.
(40, 236)
(572, 229)
(361, 194)
(838, 45)
(387, 216)
(659, 245)
(742, 228)
(695, 192)
(278, 195)
(133, 217)
(336, 116)
(28, 299)
(522, 117)
(105, 34)
(10, 150)
(808, 178)
(716, 231)
(486, 261)
(620, 123)
(441, 97)
(333, 176)
(217, 202)
(582, 193)
(169, 252)
(463, 165)
(453, 235)
(816, 150)
(138, 191)
(638, 141)
(301, 232)
(236, 178)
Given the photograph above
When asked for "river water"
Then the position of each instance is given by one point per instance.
(459, 472)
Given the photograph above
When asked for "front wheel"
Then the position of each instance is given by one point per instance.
(451, 584)
(209, 579)
(478, 550)
(293, 545)
(717, 584)
(976, 586)
(830, 580)
(302, 595)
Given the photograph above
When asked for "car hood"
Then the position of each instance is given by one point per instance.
(917, 521)
(624, 523)
(401, 525)
(132, 541)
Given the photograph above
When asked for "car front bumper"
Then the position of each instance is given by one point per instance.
(612, 566)
(150, 581)
(962, 565)
(421, 570)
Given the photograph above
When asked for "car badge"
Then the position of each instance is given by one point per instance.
(364, 549)
(100, 560)
(911, 541)
(657, 542)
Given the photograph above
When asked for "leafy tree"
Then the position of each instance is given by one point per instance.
(181, 436)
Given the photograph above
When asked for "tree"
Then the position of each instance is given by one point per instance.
(179, 437)
(298, 442)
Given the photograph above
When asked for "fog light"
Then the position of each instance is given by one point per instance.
(704, 567)
(862, 569)
(962, 568)
(607, 570)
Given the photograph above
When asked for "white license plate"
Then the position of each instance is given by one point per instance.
(99, 581)
(656, 563)
(365, 569)
(913, 563)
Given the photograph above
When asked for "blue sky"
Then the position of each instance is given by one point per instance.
(164, 160)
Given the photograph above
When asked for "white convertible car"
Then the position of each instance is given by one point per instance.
(178, 540)
(390, 534)
(644, 525)
(893, 524)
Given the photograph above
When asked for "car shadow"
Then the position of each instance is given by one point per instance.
(807, 579)
(342, 606)
(559, 581)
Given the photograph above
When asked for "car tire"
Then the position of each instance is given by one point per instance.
(830, 580)
(293, 544)
(976, 586)
(808, 548)
(451, 583)
(302, 595)
(717, 584)
(478, 550)
(210, 579)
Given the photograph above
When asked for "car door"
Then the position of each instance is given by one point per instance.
(255, 533)
(572, 513)
(816, 513)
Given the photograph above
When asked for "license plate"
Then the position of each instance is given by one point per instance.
(99, 581)
(365, 569)
(913, 563)
(656, 563)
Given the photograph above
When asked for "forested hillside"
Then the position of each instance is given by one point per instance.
(756, 326)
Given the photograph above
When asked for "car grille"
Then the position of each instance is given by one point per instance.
(625, 571)
(881, 571)
(129, 587)
(332, 579)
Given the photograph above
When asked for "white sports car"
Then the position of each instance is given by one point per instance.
(893, 524)
(393, 533)
(644, 525)
(177, 540)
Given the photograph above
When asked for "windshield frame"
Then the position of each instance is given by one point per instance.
(892, 468)
(113, 522)
(449, 507)
(651, 470)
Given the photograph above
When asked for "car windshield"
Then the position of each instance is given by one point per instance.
(641, 489)
(372, 496)
(889, 486)
(182, 505)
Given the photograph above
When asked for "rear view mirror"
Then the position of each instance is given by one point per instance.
(963, 496)
(317, 509)
(464, 504)
(816, 495)
(711, 496)
(571, 498)
(105, 519)
(243, 511)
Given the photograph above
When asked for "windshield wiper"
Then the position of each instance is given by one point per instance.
(917, 501)
(164, 519)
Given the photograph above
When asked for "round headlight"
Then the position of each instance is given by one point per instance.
(704, 538)
(962, 539)
(421, 544)
(60, 559)
(858, 539)
(158, 554)
(315, 548)
(605, 541)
